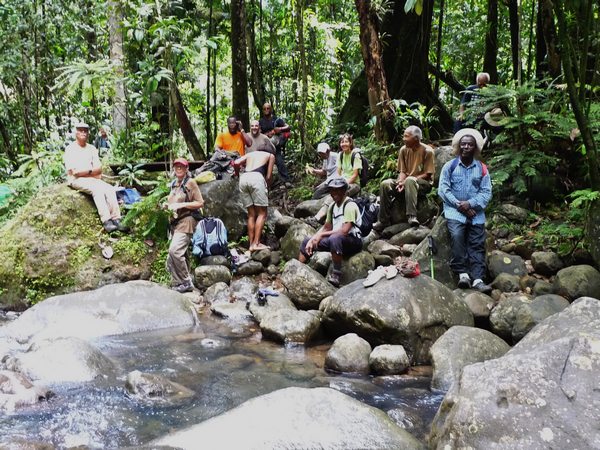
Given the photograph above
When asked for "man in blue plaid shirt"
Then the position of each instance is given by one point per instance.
(466, 189)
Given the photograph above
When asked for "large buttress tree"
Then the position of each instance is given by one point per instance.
(239, 78)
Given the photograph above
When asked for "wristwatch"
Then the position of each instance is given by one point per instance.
(90, 172)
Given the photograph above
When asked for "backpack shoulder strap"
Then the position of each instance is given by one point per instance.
(484, 169)
(454, 164)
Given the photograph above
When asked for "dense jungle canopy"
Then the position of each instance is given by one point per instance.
(164, 75)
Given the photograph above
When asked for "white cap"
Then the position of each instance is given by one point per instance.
(82, 124)
(323, 147)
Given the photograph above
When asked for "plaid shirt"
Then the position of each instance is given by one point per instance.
(466, 183)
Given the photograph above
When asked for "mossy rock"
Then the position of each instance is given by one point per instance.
(51, 246)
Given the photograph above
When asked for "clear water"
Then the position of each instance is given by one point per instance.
(224, 365)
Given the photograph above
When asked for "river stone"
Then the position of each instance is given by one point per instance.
(382, 260)
(305, 286)
(290, 326)
(273, 303)
(592, 231)
(297, 418)
(541, 394)
(215, 260)
(243, 289)
(272, 270)
(530, 314)
(507, 282)
(320, 261)
(442, 154)
(110, 310)
(283, 224)
(355, 267)
(546, 263)
(388, 360)
(577, 281)
(369, 239)
(458, 347)
(155, 388)
(542, 287)
(273, 216)
(412, 312)
(222, 200)
(217, 293)
(61, 360)
(17, 391)
(504, 316)
(410, 236)
(479, 303)
(235, 311)
(514, 213)
(442, 270)
(500, 262)
(395, 229)
(349, 353)
(275, 257)
(308, 208)
(250, 268)
(206, 276)
(262, 256)
(381, 247)
(409, 249)
(290, 243)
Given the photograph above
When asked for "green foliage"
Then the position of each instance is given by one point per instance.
(129, 248)
(414, 114)
(147, 217)
(304, 191)
(132, 175)
(159, 272)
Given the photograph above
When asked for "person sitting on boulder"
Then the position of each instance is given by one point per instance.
(340, 235)
(349, 164)
(328, 170)
(84, 173)
(184, 200)
(466, 189)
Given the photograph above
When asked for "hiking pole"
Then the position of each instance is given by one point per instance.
(432, 251)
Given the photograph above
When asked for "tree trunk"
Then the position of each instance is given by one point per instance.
(491, 42)
(184, 124)
(549, 33)
(257, 84)
(12, 156)
(377, 91)
(303, 74)
(438, 50)
(239, 62)
(515, 39)
(210, 54)
(530, 49)
(115, 33)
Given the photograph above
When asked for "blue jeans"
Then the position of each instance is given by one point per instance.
(281, 167)
(468, 248)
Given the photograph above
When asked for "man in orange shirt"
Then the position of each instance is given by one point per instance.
(235, 139)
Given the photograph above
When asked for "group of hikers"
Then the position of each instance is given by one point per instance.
(464, 187)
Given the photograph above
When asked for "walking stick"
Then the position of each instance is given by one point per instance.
(432, 251)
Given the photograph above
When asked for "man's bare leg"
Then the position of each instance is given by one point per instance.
(261, 217)
(251, 226)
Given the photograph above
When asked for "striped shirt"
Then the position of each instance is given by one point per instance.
(465, 183)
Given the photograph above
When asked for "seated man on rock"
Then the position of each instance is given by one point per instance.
(84, 173)
(415, 174)
(466, 189)
(340, 235)
(328, 169)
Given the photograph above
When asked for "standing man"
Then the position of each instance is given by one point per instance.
(415, 173)
(254, 184)
(235, 139)
(466, 189)
(328, 169)
(278, 131)
(84, 173)
(259, 140)
(470, 95)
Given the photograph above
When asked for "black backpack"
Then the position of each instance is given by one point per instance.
(368, 213)
(364, 172)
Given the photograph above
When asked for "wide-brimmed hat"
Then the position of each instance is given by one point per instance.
(323, 147)
(468, 132)
(495, 117)
(82, 125)
(182, 161)
(337, 183)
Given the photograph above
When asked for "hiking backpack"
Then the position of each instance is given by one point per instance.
(367, 211)
(363, 175)
(210, 238)
(194, 213)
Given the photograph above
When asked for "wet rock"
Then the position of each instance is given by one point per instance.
(412, 312)
(349, 353)
(235, 311)
(217, 293)
(305, 286)
(409, 249)
(546, 263)
(262, 256)
(296, 418)
(382, 260)
(388, 360)
(272, 303)
(290, 243)
(290, 326)
(530, 314)
(577, 281)
(504, 316)
(230, 363)
(206, 276)
(250, 268)
(223, 201)
(308, 208)
(500, 262)
(459, 347)
(243, 289)
(356, 267)
(405, 419)
(283, 224)
(548, 378)
(380, 247)
(299, 372)
(320, 261)
(440, 235)
(215, 260)
(17, 391)
(479, 304)
(542, 287)
(515, 214)
(272, 269)
(156, 388)
(410, 236)
(507, 282)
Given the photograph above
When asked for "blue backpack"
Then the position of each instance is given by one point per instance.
(210, 238)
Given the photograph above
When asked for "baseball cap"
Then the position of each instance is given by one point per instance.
(337, 183)
(323, 147)
(181, 161)
(82, 125)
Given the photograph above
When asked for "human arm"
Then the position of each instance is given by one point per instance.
(196, 201)
(281, 126)
(445, 188)
(483, 196)
(247, 140)
(238, 163)
(270, 169)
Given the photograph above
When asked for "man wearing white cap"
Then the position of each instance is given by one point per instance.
(84, 173)
(328, 169)
(466, 189)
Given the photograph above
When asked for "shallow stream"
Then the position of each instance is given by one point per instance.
(224, 365)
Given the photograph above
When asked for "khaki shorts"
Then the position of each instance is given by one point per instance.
(253, 189)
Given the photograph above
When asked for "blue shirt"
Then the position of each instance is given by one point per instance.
(465, 183)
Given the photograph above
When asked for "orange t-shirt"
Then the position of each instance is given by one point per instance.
(231, 142)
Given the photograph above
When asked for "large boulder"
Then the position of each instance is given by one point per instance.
(515, 214)
(410, 236)
(459, 347)
(17, 391)
(546, 263)
(441, 267)
(355, 267)
(222, 200)
(503, 317)
(296, 418)
(110, 310)
(51, 247)
(577, 281)
(349, 353)
(443, 154)
(290, 326)
(206, 276)
(413, 312)
(290, 243)
(541, 394)
(308, 208)
(530, 314)
(500, 262)
(388, 360)
(306, 287)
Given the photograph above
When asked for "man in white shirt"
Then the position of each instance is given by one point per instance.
(328, 170)
(84, 172)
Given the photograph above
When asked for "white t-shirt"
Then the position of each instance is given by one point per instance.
(78, 158)
(330, 165)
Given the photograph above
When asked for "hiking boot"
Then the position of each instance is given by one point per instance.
(379, 226)
(482, 287)
(120, 227)
(109, 226)
(186, 286)
(334, 278)
(413, 221)
(374, 276)
(464, 281)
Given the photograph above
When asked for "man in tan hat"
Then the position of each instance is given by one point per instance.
(466, 189)
(84, 173)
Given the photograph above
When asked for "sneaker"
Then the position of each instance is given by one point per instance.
(120, 227)
(379, 226)
(464, 282)
(334, 278)
(390, 272)
(109, 226)
(413, 221)
(184, 287)
(482, 287)
(374, 276)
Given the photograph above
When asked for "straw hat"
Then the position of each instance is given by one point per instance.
(468, 132)
(495, 117)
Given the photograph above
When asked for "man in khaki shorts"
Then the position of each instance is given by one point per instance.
(254, 191)
(84, 173)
